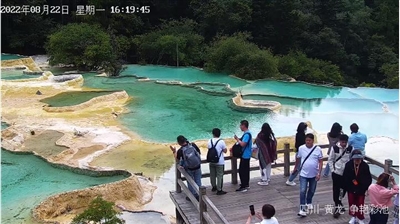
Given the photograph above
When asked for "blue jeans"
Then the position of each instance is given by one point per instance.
(311, 183)
(294, 175)
(327, 170)
(196, 176)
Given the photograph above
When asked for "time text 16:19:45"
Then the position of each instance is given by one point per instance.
(130, 9)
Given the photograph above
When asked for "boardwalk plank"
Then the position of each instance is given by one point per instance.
(235, 205)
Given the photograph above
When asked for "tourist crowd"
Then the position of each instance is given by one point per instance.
(349, 172)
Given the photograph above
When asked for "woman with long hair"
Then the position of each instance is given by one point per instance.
(266, 143)
(381, 198)
(333, 138)
(299, 141)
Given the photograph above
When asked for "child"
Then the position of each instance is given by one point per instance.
(268, 212)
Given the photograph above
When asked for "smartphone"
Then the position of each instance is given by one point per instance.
(252, 212)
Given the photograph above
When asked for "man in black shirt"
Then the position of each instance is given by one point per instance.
(188, 156)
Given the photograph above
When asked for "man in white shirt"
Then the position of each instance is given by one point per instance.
(217, 169)
(310, 156)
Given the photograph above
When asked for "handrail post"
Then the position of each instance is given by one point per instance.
(234, 175)
(178, 176)
(286, 160)
(388, 165)
(202, 204)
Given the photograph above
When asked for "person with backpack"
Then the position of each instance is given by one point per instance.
(299, 141)
(309, 157)
(215, 156)
(333, 138)
(243, 149)
(339, 155)
(266, 143)
(188, 156)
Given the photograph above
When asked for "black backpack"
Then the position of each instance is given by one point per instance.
(237, 149)
(212, 154)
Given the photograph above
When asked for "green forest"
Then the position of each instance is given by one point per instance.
(344, 42)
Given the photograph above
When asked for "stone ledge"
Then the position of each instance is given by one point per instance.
(238, 103)
(110, 97)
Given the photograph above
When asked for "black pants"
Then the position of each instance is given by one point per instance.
(337, 184)
(244, 172)
(379, 217)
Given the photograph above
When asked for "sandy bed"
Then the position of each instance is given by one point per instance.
(86, 151)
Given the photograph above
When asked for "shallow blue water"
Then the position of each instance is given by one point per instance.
(15, 74)
(161, 112)
(27, 180)
(185, 75)
(11, 56)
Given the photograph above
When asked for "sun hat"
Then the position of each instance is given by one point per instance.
(357, 154)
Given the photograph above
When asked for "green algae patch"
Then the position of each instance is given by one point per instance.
(73, 98)
(138, 157)
(44, 144)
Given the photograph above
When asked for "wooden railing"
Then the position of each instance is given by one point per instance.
(204, 205)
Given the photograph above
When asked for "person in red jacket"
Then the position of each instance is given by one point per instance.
(356, 179)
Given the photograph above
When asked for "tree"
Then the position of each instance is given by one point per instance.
(86, 46)
(221, 16)
(236, 55)
(391, 72)
(276, 24)
(300, 67)
(99, 211)
(174, 40)
(24, 33)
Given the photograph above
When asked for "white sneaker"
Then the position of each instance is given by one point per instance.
(310, 207)
(352, 220)
(361, 221)
(263, 183)
(290, 183)
(302, 213)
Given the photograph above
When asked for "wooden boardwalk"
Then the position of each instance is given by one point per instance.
(234, 206)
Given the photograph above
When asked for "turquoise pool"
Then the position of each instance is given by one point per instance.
(11, 56)
(27, 180)
(73, 98)
(161, 112)
(15, 74)
(185, 75)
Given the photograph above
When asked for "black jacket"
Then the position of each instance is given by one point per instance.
(363, 178)
(300, 140)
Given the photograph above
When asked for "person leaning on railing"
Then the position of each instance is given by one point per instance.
(381, 198)
(188, 157)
